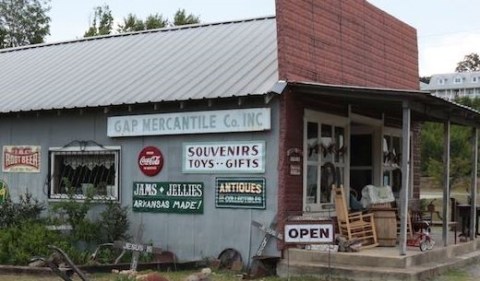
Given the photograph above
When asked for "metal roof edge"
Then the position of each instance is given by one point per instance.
(165, 29)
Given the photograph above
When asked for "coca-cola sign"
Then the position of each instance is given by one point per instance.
(150, 161)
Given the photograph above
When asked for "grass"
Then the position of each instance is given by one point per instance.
(172, 276)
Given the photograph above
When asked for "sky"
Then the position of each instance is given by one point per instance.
(447, 30)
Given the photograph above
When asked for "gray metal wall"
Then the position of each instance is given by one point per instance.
(188, 236)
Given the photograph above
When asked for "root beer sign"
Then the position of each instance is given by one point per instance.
(150, 161)
(21, 159)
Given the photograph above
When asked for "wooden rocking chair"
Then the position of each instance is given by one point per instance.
(356, 225)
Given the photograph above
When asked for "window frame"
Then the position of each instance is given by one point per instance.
(55, 151)
(335, 121)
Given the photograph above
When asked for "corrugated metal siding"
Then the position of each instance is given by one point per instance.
(204, 61)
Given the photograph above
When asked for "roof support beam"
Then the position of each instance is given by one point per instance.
(403, 210)
(473, 188)
(446, 180)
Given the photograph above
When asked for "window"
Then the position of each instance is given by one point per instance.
(457, 80)
(325, 155)
(392, 174)
(84, 169)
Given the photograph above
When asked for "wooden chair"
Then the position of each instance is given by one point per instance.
(356, 225)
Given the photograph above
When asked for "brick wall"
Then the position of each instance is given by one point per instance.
(345, 42)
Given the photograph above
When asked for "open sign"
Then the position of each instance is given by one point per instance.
(311, 233)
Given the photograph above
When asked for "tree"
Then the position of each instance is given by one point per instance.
(23, 22)
(460, 148)
(181, 18)
(155, 21)
(131, 23)
(470, 63)
(425, 79)
(103, 17)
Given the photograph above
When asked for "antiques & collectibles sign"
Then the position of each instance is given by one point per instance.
(168, 197)
(224, 157)
(240, 193)
(21, 159)
(200, 122)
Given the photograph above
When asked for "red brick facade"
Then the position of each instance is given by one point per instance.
(342, 42)
(345, 42)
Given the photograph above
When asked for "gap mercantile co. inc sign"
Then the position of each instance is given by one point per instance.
(168, 197)
(198, 122)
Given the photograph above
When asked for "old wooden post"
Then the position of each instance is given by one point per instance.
(269, 233)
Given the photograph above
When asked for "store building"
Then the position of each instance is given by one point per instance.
(202, 129)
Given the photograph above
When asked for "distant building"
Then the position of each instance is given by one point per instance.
(452, 85)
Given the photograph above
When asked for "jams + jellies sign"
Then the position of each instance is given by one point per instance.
(168, 197)
(150, 161)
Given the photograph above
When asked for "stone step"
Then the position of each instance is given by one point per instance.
(386, 256)
(427, 270)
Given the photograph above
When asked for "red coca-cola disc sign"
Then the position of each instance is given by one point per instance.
(150, 161)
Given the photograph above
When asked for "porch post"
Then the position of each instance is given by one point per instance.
(473, 188)
(446, 181)
(403, 210)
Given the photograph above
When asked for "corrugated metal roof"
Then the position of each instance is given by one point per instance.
(191, 62)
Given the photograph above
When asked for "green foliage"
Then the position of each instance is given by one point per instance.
(155, 21)
(82, 228)
(24, 233)
(19, 243)
(23, 22)
(132, 23)
(102, 23)
(114, 221)
(432, 136)
(181, 18)
(471, 62)
(27, 210)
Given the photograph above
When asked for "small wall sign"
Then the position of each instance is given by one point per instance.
(150, 161)
(295, 161)
(309, 232)
(240, 193)
(21, 159)
(168, 197)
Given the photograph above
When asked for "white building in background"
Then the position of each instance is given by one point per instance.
(453, 85)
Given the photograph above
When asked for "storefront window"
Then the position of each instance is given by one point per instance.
(325, 160)
(392, 162)
(78, 171)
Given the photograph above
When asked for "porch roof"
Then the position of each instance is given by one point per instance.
(377, 101)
